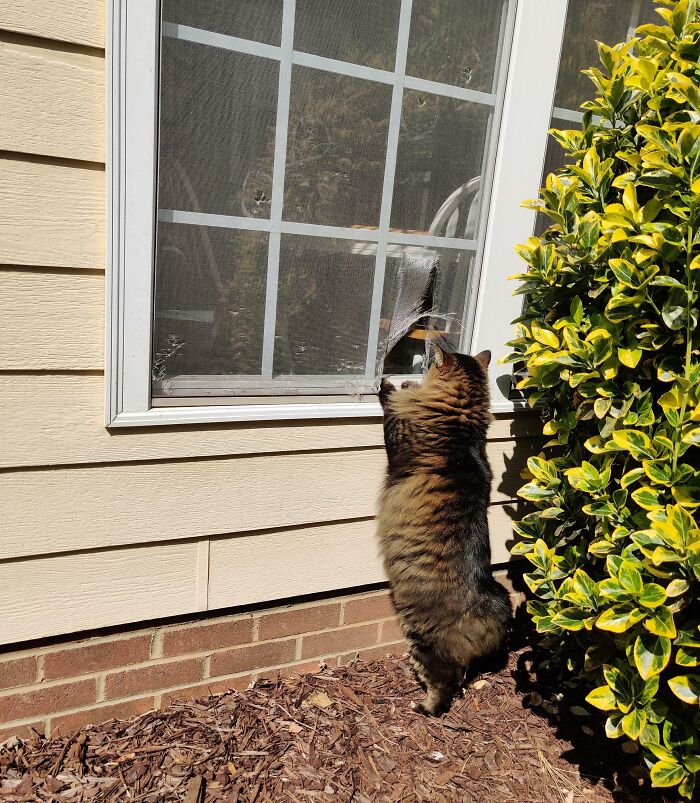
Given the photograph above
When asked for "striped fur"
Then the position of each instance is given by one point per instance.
(432, 522)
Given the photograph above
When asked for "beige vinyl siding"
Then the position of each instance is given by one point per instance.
(157, 501)
(81, 591)
(80, 22)
(52, 101)
(51, 321)
(105, 528)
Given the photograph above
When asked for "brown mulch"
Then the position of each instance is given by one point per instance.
(344, 734)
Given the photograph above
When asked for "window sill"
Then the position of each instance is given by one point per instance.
(245, 413)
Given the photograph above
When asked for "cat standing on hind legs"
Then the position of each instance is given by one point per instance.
(432, 524)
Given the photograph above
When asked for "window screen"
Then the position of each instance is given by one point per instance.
(304, 148)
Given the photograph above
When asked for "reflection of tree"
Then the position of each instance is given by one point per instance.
(335, 159)
(588, 21)
(455, 41)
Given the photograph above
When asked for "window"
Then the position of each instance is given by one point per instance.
(271, 161)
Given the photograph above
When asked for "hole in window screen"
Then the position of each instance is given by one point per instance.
(222, 250)
(587, 21)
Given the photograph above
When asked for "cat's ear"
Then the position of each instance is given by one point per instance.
(443, 359)
(483, 358)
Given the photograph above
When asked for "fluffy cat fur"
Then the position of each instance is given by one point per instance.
(432, 523)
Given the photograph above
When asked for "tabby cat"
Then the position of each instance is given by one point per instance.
(432, 522)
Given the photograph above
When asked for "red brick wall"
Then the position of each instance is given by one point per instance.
(57, 688)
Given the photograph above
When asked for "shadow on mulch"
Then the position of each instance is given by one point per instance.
(541, 688)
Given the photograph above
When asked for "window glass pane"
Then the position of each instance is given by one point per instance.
(588, 21)
(210, 297)
(455, 41)
(217, 130)
(259, 20)
(213, 334)
(323, 306)
(360, 31)
(608, 21)
(336, 149)
(441, 148)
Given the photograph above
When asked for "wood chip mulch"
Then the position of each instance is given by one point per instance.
(343, 734)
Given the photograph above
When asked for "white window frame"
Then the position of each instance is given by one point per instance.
(133, 47)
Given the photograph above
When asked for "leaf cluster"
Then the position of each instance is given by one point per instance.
(610, 353)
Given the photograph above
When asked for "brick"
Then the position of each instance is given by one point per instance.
(299, 620)
(307, 668)
(92, 657)
(374, 653)
(391, 631)
(48, 700)
(367, 609)
(203, 637)
(335, 641)
(206, 689)
(22, 731)
(256, 656)
(17, 672)
(130, 682)
(68, 723)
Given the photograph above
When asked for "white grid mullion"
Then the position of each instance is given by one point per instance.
(234, 43)
(332, 232)
(570, 115)
(215, 221)
(388, 187)
(634, 18)
(277, 201)
(186, 218)
(431, 241)
(458, 92)
(342, 67)
(200, 36)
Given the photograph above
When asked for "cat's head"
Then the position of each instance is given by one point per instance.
(454, 395)
(459, 367)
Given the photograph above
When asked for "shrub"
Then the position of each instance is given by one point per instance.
(609, 343)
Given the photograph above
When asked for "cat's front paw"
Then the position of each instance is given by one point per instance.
(385, 390)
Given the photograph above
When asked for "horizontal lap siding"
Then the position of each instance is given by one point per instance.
(111, 505)
(80, 22)
(52, 101)
(68, 593)
(51, 215)
(51, 322)
(115, 527)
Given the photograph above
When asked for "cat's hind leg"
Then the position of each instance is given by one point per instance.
(440, 677)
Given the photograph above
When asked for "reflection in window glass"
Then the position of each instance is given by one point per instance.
(360, 31)
(441, 148)
(323, 305)
(259, 20)
(210, 298)
(455, 41)
(587, 21)
(217, 130)
(336, 149)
